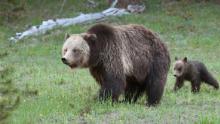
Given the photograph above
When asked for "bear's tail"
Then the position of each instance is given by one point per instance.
(209, 79)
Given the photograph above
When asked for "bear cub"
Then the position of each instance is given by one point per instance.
(193, 71)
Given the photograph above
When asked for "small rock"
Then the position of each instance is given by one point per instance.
(136, 8)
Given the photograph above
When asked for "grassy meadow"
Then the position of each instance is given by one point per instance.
(52, 93)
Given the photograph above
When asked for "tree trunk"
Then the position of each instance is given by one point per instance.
(124, 3)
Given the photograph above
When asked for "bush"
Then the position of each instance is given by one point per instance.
(8, 93)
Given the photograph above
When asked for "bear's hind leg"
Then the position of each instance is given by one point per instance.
(133, 92)
(130, 90)
(155, 91)
(138, 94)
(195, 86)
(156, 80)
(209, 79)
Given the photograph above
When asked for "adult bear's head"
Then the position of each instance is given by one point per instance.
(76, 50)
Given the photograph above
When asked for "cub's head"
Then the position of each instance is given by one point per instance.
(76, 50)
(179, 66)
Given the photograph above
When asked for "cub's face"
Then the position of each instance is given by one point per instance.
(75, 51)
(179, 67)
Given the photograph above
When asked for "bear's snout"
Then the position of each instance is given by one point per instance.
(64, 61)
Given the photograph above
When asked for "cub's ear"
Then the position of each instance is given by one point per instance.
(67, 35)
(88, 36)
(185, 59)
(176, 58)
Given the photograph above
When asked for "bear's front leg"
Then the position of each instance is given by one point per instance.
(111, 86)
(179, 84)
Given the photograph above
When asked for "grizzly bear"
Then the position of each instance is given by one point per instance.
(193, 71)
(126, 59)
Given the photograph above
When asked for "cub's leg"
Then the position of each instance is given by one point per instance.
(195, 86)
(179, 84)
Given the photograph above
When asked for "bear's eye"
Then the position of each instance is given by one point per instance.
(65, 50)
(179, 69)
(75, 50)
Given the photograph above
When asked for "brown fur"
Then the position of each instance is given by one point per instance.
(138, 49)
(195, 72)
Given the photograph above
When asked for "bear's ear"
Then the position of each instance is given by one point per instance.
(67, 35)
(176, 58)
(185, 59)
(89, 37)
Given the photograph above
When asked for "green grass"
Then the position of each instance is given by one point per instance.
(51, 93)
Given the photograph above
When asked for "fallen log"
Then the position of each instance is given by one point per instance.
(63, 22)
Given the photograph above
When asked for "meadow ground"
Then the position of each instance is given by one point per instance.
(51, 93)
